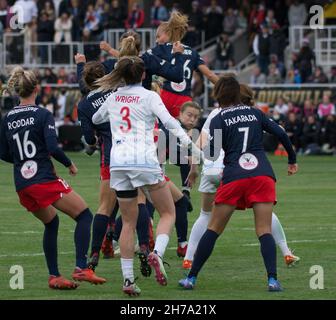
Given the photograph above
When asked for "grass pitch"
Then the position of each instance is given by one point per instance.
(306, 209)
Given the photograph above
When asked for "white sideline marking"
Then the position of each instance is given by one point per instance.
(21, 232)
(293, 241)
(31, 254)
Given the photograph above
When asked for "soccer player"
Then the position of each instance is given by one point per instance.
(101, 134)
(212, 172)
(130, 45)
(174, 94)
(28, 139)
(188, 118)
(248, 179)
(132, 111)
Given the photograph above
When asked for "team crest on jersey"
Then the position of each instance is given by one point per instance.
(179, 87)
(29, 169)
(248, 161)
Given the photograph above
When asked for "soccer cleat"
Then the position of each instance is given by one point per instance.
(87, 275)
(274, 285)
(145, 268)
(187, 264)
(93, 261)
(181, 252)
(160, 273)
(131, 288)
(291, 260)
(188, 283)
(61, 283)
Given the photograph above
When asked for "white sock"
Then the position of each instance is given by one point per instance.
(279, 235)
(161, 243)
(197, 231)
(183, 244)
(127, 269)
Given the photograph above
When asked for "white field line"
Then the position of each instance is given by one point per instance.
(293, 241)
(31, 254)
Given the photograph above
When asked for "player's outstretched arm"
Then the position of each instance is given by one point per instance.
(104, 46)
(208, 73)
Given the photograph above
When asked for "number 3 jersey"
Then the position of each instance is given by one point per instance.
(27, 139)
(238, 130)
(132, 111)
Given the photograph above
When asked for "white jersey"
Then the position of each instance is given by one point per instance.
(218, 163)
(132, 111)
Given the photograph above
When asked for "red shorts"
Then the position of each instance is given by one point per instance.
(42, 195)
(243, 193)
(173, 102)
(105, 172)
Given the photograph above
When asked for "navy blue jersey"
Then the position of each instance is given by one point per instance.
(241, 137)
(27, 140)
(153, 66)
(87, 107)
(191, 62)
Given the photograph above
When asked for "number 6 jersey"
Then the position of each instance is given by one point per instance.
(27, 140)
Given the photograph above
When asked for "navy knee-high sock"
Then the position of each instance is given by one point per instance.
(99, 227)
(117, 229)
(203, 251)
(184, 172)
(150, 209)
(181, 222)
(82, 237)
(268, 251)
(142, 225)
(113, 216)
(50, 245)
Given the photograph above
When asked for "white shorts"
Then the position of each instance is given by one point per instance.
(210, 180)
(124, 180)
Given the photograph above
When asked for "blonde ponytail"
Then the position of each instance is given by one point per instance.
(176, 27)
(21, 82)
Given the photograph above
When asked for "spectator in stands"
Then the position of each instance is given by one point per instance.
(305, 60)
(213, 20)
(196, 20)
(333, 74)
(281, 106)
(56, 4)
(278, 42)
(92, 26)
(230, 22)
(325, 108)
(293, 127)
(27, 11)
(310, 134)
(274, 76)
(63, 26)
(5, 15)
(292, 108)
(45, 33)
(277, 117)
(224, 52)
(309, 109)
(116, 16)
(328, 134)
(281, 12)
(279, 65)
(241, 22)
(319, 76)
(47, 104)
(297, 14)
(257, 16)
(77, 14)
(257, 76)
(270, 21)
(293, 76)
(136, 17)
(62, 76)
(261, 48)
(100, 7)
(49, 77)
(48, 8)
(159, 13)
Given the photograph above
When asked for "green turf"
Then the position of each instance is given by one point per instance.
(235, 270)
